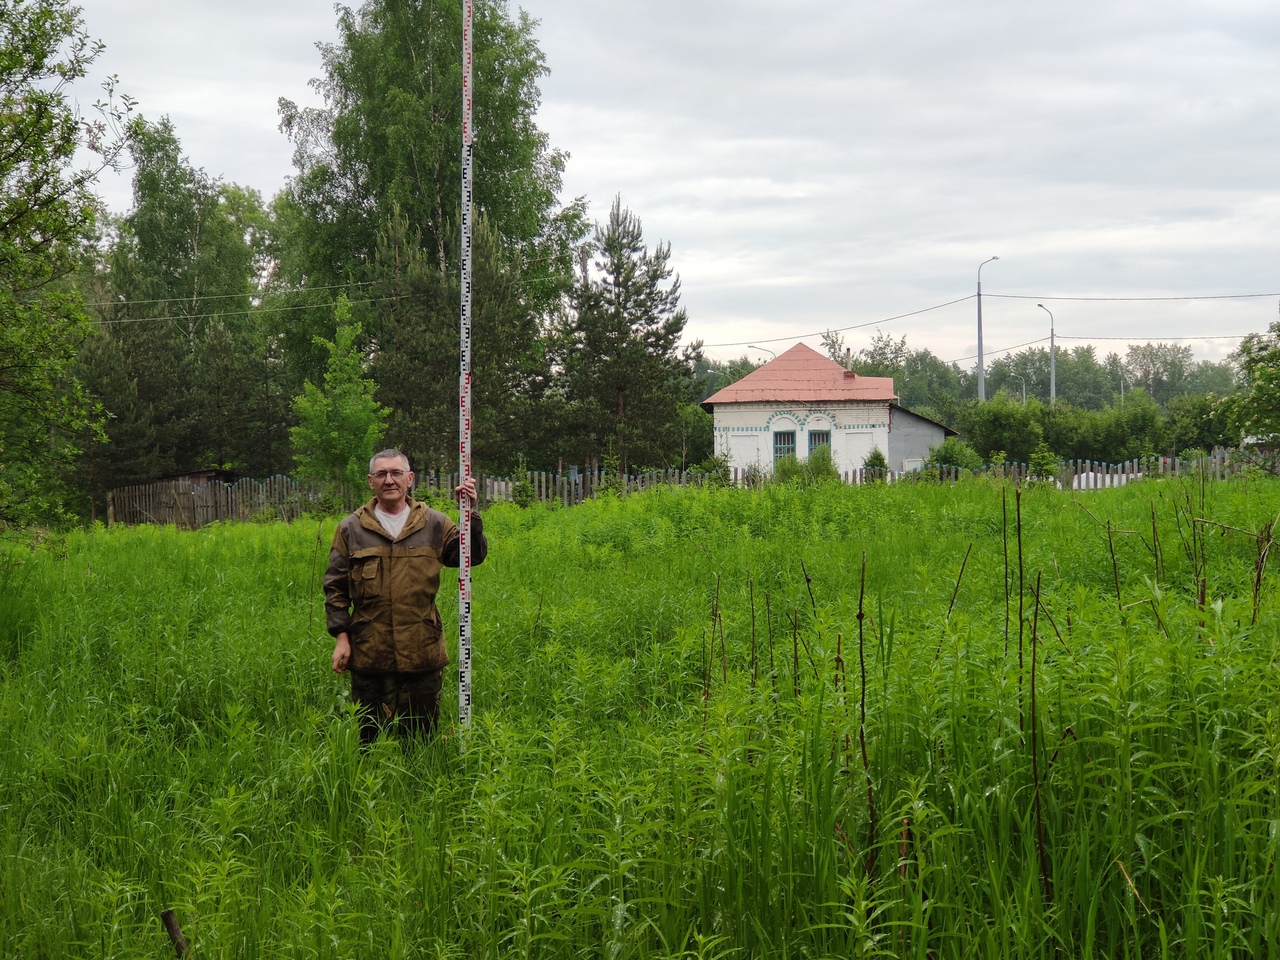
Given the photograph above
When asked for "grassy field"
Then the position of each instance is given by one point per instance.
(1067, 752)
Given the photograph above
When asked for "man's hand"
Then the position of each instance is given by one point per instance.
(467, 487)
(341, 653)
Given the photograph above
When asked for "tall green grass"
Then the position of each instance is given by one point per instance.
(666, 758)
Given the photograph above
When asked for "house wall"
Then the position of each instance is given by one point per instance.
(744, 431)
(910, 438)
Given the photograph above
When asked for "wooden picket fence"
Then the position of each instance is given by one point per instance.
(189, 505)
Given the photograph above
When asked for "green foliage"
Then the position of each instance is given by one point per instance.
(710, 375)
(1003, 423)
(341, 426)
(414, 321)
(815, 470)
(128, 449)
(715, 470)
(180, 273)
(47, 217)
(631, 790)
(1043, 464)
(875, 460)
(625, 376)
(523, 494)
(954, 452)
(1256, 413)
(386, 141)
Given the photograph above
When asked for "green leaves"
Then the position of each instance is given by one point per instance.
(47, 213)
(340, 426)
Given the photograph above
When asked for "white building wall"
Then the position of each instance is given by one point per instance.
(744, 431)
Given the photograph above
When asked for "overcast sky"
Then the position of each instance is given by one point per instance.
(822, 164)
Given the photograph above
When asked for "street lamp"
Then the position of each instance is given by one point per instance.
(1053, 358)
(752, 346)
(1024, 387)
(982, 376)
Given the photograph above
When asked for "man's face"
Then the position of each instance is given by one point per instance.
(390, 482)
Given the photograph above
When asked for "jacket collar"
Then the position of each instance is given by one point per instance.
(416, 520)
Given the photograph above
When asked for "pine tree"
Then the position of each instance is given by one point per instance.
(624, 373)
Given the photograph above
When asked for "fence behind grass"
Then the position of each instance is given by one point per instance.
(190, 505)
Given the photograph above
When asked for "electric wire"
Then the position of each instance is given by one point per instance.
(1221, 296)
(239, 313)
(988, 353)
(225, 296)
(856, 326)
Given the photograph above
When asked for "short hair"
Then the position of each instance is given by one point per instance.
(390, 455)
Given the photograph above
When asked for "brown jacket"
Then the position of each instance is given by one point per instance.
(382, 593)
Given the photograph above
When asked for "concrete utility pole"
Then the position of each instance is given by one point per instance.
(1053, 358)
(982, 373)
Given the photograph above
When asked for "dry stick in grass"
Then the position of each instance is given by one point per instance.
(1264, 540)
(813, 664)
(808, 583)
(1115, 569)
(773, 669)
(1017, 502)
(1129, 880)
(842, 679)
(862, 723)
(795, 655)
(724, 657)
(315, 557)
(175, 932)
(1049, 616)
(1155, 546)
(706, 676)
(954, 593)
(1004, 509)
(1045, 877)
(537, 619)
(715, 617)
(751, 591)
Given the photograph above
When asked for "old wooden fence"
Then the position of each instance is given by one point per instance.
(189, 505)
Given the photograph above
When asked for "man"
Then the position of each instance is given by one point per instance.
(380, 598)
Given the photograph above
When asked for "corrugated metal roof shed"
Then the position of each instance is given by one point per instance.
(802, 375)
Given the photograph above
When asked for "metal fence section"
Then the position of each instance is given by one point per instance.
(188, 505)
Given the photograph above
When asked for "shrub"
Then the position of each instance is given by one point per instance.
(876, 462)
(522, 493)
(1043, 463)
(954, 452)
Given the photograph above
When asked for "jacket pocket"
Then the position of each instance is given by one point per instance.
(425, 647)
(364, 578)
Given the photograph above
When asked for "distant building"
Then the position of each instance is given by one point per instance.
(802, 400)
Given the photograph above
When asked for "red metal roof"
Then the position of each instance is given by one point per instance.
(802, 375)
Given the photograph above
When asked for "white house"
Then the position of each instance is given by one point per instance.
(801, 400)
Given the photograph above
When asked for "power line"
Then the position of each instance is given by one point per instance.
(856, 326)
(1016, 346)
(240, 313)
(1223, 296)
(1214, 336)
(224, 296)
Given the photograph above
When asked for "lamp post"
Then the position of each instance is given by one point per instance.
(752, 346)
(982, 376)
(1053, 358)
(1024, 387)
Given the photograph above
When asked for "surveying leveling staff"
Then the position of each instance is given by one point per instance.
(380, 598)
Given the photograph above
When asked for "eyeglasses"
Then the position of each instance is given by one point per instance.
(393, 474)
